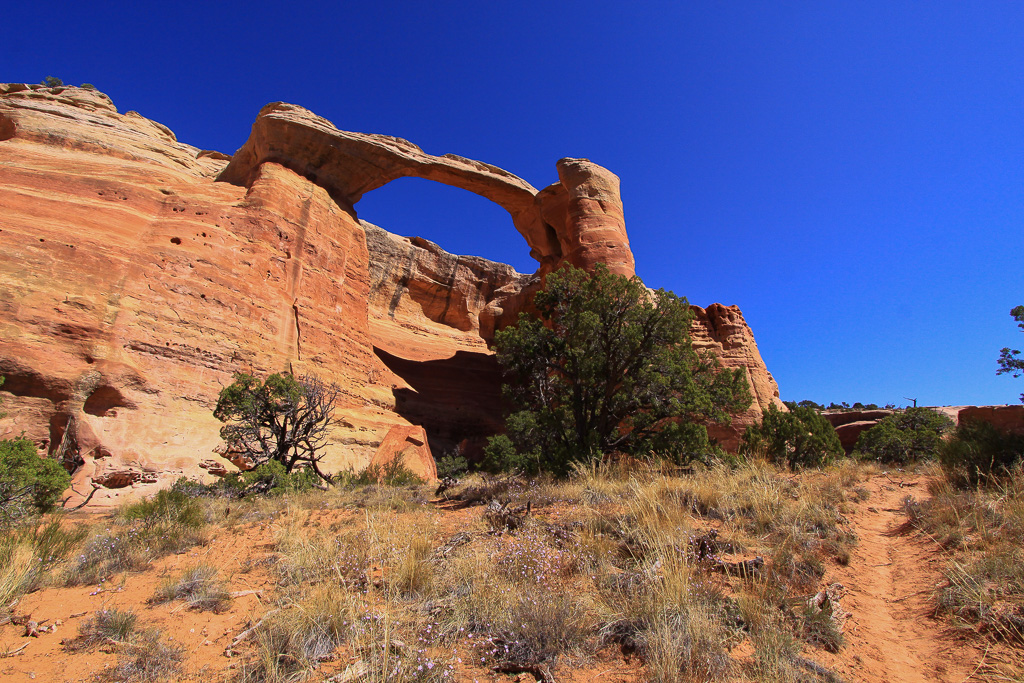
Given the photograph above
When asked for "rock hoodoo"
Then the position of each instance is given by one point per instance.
(140, 272)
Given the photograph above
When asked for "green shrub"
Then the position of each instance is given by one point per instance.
(167, 506)
(270, 478)
(168, 522)
(908, 436)
(28, 482)
(394, 473)
(451, 465)
(52, 82)
(500, 455)
(978, 452)
(799, 438)
(607, 366)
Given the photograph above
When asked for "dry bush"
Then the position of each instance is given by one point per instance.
(200, 587)
(516, 613)
(16, 565)
(30, 555)
(144, 659)
(673, 617)
(141, 656)
(983, 529)
(296, 638)
(106, 626)
(141, 532)
(398, 545)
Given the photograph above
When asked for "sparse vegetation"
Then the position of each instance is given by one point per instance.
(1010, 361)
(607, 366)
(981, 524)
(908, 436)
(280, 419)
(168, 522)
(701, 577)
(199, 587)
(142, 656)
(52, 82)
(798, 438)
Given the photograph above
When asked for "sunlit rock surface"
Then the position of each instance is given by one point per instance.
(139, 273)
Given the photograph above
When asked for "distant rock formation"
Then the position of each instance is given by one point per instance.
(139, 273)
(850, 424)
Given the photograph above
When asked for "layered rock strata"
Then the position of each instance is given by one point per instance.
(139, 273)
(723, 331)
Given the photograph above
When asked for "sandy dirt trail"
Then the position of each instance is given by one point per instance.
(892, 634)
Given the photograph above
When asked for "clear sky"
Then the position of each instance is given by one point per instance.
(850, 174)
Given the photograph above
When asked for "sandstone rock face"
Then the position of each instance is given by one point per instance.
(1008, 419)
(586, 227)
(723, 331)
(408, 444)
(134, 284)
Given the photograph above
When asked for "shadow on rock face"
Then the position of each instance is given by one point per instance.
(454, 399)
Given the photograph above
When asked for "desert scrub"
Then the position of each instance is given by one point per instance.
(106, 625)
(653, 557)
(31, 554)
(145, 658)
(199, 587)
(141, 656)
(295, 638)
(673, 617)
(397, 544)
(983, 529)
(139, 533)
(508, 598)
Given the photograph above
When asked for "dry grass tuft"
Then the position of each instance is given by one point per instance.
(200, 587)
(983, 530)
(141, 532)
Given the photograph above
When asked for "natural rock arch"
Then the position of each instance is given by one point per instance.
(577, 220)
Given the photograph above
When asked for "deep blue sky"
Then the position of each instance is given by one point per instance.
(851, 174)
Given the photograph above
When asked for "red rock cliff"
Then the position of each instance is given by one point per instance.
(139, 273)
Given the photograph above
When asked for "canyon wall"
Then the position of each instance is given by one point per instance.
(139, 273)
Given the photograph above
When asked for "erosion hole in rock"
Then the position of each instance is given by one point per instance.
(175, 240)
(7, 128)
(119, 479)
(104, 399)
(459, 221)
(23, 381)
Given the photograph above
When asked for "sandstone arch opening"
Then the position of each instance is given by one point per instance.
(459, 221)
(433, 311)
